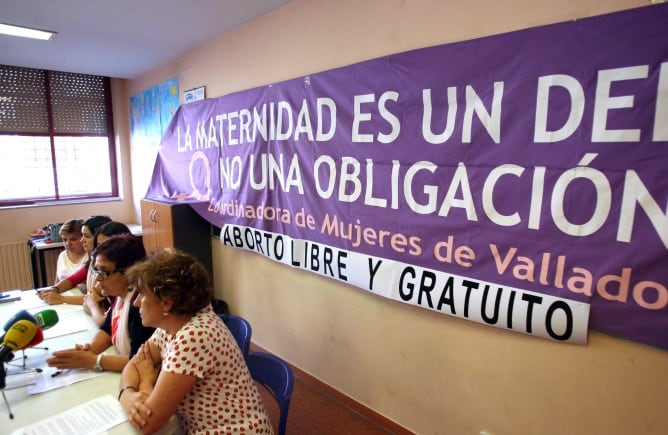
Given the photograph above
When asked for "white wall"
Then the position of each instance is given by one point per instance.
(428, 372)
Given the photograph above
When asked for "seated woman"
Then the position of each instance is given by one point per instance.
(192, 364)
(123, 326)
(74, 255)
(52, 295)
(94, 303)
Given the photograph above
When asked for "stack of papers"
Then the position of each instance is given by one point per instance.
(9, 296)
(90, 418)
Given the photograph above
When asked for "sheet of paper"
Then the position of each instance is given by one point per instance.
(90, 418)
(65, 327)
(52, 379)
(29, 300)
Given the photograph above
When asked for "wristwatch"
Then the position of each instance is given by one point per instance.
(98, 363)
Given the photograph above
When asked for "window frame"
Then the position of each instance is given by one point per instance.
(52, 134)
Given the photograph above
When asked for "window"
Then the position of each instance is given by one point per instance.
(56, 137)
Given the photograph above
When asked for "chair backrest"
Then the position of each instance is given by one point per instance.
(241, 329)
(275, 374)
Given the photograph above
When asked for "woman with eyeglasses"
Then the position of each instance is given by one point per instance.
(122, 327)
(94, 303)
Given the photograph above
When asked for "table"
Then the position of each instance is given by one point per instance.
(31, 408)
(38, 249)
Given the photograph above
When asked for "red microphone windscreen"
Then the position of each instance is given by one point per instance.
(37, 339)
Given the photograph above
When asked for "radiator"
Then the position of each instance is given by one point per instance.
(15, 266)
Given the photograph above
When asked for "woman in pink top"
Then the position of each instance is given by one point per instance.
(52, 295)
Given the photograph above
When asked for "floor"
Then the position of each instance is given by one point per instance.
(314, 411)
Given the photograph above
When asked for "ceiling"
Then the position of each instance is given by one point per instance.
(119, 38)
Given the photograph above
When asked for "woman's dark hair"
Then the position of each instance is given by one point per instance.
(174, 275)
(112, 228)
(95, 222)
(124, 250)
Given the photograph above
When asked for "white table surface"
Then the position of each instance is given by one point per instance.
(28, 408)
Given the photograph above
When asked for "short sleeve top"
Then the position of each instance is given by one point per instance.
(65, 267)
(224, 399)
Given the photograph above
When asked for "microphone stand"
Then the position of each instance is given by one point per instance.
(23, 368)
(3, 384)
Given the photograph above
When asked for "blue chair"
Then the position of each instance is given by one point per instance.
(276, 375)
(240, 329)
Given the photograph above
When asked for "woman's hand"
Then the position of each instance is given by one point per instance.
(95, 293)
(80, 357)
(43, 290)
(86, 304)
(52, 298)
(92, 301)
(134, 406)
(143, 362)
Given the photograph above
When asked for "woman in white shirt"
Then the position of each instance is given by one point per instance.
(74, 255)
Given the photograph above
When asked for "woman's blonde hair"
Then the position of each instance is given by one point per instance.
(173, 275)
(72, 227)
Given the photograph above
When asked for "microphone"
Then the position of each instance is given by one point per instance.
(18, 336)
(45, 319)
(21, 315)
(37, 339)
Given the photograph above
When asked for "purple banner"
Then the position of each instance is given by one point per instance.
(488, 172)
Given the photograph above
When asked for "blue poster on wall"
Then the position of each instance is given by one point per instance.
(150, 113)
(152, 110)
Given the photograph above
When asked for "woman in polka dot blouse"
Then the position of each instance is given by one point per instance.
(191, 365)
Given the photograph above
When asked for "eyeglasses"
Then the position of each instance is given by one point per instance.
(103, 273)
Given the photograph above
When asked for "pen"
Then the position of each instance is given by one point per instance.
(56, 373)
